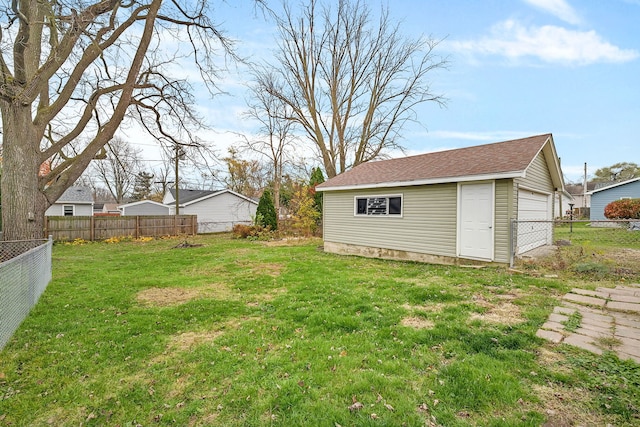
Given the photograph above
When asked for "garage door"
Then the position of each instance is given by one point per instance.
(534, 220)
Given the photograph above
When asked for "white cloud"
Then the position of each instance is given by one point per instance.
(558, 8)
(550, 44)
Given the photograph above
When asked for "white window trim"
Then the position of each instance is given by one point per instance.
(387, 196)
(73, 210)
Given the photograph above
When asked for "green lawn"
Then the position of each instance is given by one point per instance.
(241, 333)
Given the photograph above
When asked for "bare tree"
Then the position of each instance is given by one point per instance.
(351, 83)
(77, 69)
(275, 138)
(117, 172)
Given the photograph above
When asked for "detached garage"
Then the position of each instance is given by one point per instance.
(446, 206)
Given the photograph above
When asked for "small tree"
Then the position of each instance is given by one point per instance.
(623, 209)
(266, 211)
(142, 186)
(316, 178)
(305, 214)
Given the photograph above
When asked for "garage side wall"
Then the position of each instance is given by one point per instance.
(503, 213)
(537, 177)
(427, 224)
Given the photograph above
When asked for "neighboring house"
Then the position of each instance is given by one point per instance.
(217, 210)
(144, 207)
(447, 205)
(75, 201)
(602, 196)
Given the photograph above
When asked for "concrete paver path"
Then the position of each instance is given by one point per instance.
(610, 320)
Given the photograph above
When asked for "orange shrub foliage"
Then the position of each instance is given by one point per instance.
(623, 209)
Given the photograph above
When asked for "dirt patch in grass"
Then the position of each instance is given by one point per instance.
(269, 296)
(165, 297)
(270, 269)
(289, 241)
(504, 313)
(188, 340)
(567, 406)
(417, 323)
(431, 308)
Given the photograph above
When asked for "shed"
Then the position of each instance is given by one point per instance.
(446, 206)
(75, 201)
(601, 197)
(217, 210)
(144, 207)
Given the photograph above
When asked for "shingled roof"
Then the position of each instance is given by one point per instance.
(508, 159)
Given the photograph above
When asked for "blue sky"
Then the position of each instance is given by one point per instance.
(517, 68)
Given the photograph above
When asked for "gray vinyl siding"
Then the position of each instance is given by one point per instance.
(146, 209)
(504, 197)
(600, 199)
(427, 225)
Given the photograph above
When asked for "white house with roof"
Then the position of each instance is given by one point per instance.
(75, 201)
(217, 210)
(446, 206)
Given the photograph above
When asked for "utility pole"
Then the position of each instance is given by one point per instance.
(177, 196)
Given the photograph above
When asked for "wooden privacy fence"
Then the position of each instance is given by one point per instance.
(105, 227)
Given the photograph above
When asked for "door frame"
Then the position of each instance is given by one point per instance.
(492, 249)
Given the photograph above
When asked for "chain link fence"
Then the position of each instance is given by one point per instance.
(616, 240)
(25, 272)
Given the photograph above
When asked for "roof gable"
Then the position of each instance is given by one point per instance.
(76, 194)
(616, 184)
(508, 159)
(214, 194)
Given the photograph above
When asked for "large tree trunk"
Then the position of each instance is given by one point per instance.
(23, 204)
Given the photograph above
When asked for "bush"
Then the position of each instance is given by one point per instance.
(252, 232)
(623, 209)
(266, 212)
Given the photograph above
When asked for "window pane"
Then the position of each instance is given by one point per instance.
(395, 205)
(68, 210)
(377, 206)
(361, 206)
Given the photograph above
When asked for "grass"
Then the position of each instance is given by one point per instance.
(241, 333)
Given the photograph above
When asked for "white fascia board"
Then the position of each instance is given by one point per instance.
(447, 180)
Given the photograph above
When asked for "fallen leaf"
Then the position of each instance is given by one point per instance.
(356, 406)
(379, 399)
(374, 416)
(423, 407)
(389, 407)
(463, 414)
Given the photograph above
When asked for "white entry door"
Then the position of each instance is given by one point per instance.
(475, 215)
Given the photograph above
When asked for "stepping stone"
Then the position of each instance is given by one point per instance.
(583, 342)
(554, 337)
(621, 319)
(583, 299)
(553, 326)
(597, 294)
(627, 307)
(564, 310)
(595, 333)
(627, 332)
(558, 318)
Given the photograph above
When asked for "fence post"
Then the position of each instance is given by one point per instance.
(512, 245)
(137, 232)
(92, 231)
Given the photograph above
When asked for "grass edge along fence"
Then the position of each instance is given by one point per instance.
(67, 228)
(605, 235)
(25, 272)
